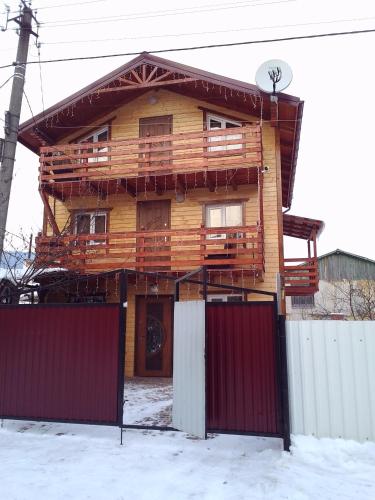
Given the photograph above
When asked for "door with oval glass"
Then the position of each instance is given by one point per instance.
(154, 336)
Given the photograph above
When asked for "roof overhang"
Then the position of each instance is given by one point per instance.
(301, 227)
(94, 101)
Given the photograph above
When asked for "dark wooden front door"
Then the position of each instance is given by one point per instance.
(151, 127)
(154, 336)
(152, 217)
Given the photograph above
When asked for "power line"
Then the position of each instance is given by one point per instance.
(165, 13)
(28, 103)
(56, 6)
(199, 47)
(40, 77)
(68, 4)
(175, 35)
(6, 81)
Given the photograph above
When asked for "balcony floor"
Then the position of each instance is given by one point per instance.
(158, 184)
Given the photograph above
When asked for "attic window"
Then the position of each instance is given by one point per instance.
(215, 122)
(100, 135)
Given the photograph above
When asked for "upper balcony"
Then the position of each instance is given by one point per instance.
(159, 163)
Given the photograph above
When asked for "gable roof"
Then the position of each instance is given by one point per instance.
(61, 119)
(340, 265)
(347, 254)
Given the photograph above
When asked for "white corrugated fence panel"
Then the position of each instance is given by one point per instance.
(331, 372)
(189, 400)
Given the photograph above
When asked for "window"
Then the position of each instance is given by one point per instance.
(91, 223)
(217, 123)
(225, 298)
(97, 136)
(223, 215)
(303, 301)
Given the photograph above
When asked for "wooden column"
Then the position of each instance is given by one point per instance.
(50, 216)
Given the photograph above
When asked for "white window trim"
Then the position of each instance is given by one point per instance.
(92, 224)
(228, 137)
(95, 136)
(222, 206)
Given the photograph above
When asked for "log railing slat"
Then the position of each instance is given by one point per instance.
(185, 249)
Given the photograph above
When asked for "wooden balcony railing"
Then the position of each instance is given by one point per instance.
(186, 153)
(167, 250)
(301, 276)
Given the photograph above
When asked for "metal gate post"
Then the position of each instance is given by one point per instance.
(122, 334)
(284, 381)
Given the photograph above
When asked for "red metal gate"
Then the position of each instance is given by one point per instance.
(242, 388)
(61, 363)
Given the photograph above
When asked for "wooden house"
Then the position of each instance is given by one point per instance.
(163, 167)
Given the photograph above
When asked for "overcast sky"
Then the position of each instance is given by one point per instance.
(334, 76)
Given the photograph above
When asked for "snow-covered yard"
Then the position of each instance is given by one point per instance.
(148, 401)
(65, 461)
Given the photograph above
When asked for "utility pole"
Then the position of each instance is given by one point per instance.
(12, 117)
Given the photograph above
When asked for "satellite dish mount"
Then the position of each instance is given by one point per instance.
(273, 76)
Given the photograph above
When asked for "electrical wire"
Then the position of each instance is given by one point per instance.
(199, 47)
(40, 77)
(56, 6)
(177, 35)
(170, 12)
(6, 81)
(29, 105)
(74, 4)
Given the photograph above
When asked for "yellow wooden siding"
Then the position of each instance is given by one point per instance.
(186, 117)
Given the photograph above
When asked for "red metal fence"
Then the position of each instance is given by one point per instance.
(242, 387)
(60, 362)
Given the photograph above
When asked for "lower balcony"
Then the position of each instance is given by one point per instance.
(301, 275)
(238, 250)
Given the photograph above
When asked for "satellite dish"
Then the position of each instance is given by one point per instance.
(273, 76)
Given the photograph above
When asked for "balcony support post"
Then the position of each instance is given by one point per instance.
(50, 216)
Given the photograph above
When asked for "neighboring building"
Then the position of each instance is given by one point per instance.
(346, 290)
(161, 166)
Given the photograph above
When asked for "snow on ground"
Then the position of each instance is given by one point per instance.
(76, 462)
(148, 401)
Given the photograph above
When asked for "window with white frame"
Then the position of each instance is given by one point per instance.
(99, 135)
(225, 298)
(224, 215)
(91, 223)
(215, 122)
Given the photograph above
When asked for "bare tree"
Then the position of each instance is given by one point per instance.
(21, 267)
(354, 299)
